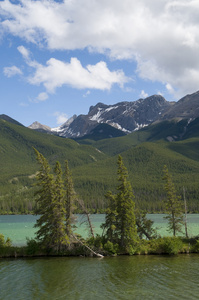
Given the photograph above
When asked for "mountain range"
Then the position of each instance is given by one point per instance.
(126, 116)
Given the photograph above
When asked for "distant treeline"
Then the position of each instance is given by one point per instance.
(20, 199)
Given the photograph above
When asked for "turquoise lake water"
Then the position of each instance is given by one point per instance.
(18, 227)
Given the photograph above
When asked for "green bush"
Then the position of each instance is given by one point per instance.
(131, 250)
(111, 248)
(4, 243)
(166, 245)
(143, 247)
(32, 247)
(195, 247)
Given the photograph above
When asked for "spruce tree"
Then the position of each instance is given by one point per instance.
(60, 235)
(110, 219)
(126, 223)
(173, 204)
(51, 232)
(70, 197)
(120, 223)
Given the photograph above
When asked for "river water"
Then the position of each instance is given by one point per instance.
(123, 277)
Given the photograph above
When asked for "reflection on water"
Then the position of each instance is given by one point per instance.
(125, 277)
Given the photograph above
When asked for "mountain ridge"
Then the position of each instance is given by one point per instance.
(128, 116)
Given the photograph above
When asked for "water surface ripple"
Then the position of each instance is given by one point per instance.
(122, 277)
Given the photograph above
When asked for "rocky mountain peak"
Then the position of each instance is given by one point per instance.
(39, 127)
(127, 116)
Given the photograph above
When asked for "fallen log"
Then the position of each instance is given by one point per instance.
(91, 250)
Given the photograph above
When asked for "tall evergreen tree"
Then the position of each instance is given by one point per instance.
(60, 236)
(120, 220)
(50, 206)
(173, 204)
(110, 218)
(126, 223)
(70, 197)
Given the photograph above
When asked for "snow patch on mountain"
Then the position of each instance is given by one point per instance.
(110, 108)
(96, 117)
(118, 126)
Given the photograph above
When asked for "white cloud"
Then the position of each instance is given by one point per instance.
(24, 52)
(60, 117)
(42, 97)
(169, 88)
(27, 57)
(12, 71)
(143, 94)
(57, 73)
(161, 36)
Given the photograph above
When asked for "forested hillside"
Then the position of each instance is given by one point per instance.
(93, 164)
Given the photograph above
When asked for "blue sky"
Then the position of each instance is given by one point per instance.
(60, 57)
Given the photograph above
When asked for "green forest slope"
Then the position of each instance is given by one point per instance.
(94, 167)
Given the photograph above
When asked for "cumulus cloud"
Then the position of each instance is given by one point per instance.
(57, 73)
(12, 71)
(161, 36)
(60, 117)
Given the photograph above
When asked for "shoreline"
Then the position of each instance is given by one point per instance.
(169, 246)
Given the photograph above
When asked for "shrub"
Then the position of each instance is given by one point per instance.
(166, 245)
(195, 247)
(111, 248)
(4, 243)
(32, 247)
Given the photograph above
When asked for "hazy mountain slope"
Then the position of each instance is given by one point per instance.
(186, 107)
(10, 120)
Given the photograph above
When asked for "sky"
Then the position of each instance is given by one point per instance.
(58, 58)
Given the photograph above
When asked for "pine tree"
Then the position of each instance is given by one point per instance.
(70, 197)
(120, 218)
(110, 218)
(126, 223)
(173, 205)
(60, 236)
(51, 225)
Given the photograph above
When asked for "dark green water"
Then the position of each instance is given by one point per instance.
(126, 277)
